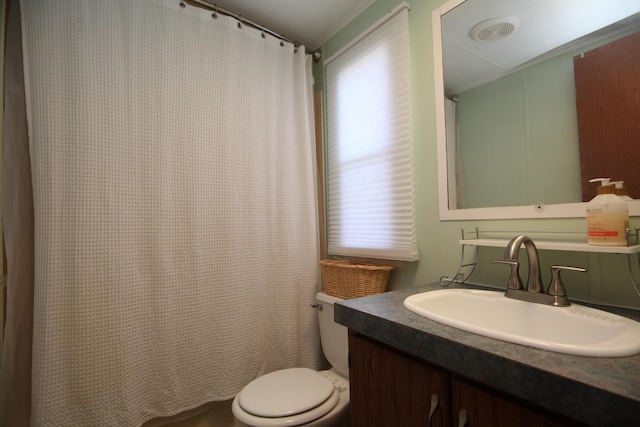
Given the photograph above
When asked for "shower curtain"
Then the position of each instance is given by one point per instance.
(173, 175)
(454, 166)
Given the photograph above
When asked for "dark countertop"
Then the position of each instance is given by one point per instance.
(600, 391)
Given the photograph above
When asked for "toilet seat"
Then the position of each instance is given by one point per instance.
(287, 397)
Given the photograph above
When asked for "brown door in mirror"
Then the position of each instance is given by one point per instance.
(608, 104)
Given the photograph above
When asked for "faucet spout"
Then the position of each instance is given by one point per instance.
(533, 292)
(534, 282)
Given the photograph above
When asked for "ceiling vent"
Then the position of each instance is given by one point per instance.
(494, 29)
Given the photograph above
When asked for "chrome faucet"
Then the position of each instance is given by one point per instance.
(534, 282)
(533, 291)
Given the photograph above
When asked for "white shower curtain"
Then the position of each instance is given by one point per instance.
(454, 167)
(175, 225)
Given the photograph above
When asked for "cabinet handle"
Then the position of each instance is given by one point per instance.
(462, 418)
(432, 408)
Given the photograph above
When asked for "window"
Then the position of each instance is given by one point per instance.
(371, 209)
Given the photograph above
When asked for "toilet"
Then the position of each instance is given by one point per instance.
(301, 396)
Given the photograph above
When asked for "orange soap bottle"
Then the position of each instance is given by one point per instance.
(607, 217)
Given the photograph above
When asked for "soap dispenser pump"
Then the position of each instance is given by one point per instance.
(620, 191)
(607, 216)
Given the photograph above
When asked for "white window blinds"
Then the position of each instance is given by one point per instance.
(371, 209)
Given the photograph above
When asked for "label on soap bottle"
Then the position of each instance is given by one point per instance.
(606, 228)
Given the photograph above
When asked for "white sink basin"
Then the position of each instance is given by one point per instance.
(576, 329)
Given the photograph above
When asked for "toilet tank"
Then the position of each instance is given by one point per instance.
(334, 337)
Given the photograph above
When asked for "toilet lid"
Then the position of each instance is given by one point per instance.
(285, 393)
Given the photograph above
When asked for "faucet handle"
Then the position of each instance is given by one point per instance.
(514, 282)
(556, 287)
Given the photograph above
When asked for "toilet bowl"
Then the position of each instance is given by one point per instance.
(301, 396)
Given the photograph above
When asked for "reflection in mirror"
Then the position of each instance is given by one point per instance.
(512, 144)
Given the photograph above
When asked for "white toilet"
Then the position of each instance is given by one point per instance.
(301, 396)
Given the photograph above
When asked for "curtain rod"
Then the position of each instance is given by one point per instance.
(317, 54)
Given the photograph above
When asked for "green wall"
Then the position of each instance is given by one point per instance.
(519, 138)
(608, 279)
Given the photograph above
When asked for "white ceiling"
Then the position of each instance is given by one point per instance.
(310, 22)
(545, 25)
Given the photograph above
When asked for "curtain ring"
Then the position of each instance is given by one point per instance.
(183, 4)
(239, 25)
(214, 14)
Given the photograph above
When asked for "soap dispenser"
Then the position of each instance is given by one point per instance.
(620, 191)
(607, 216)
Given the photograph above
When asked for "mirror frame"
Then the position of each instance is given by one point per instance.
(561, 210)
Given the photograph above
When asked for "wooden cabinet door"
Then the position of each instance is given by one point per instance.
(390, 389)
(607, 84)
(476, 407)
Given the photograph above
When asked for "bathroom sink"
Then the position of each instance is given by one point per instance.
(576, 329)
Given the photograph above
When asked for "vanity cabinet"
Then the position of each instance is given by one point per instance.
(481, 407)
(392, 389)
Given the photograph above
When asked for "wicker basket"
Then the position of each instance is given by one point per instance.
(347, 279)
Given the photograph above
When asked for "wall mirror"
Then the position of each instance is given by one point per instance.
(507, 121)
